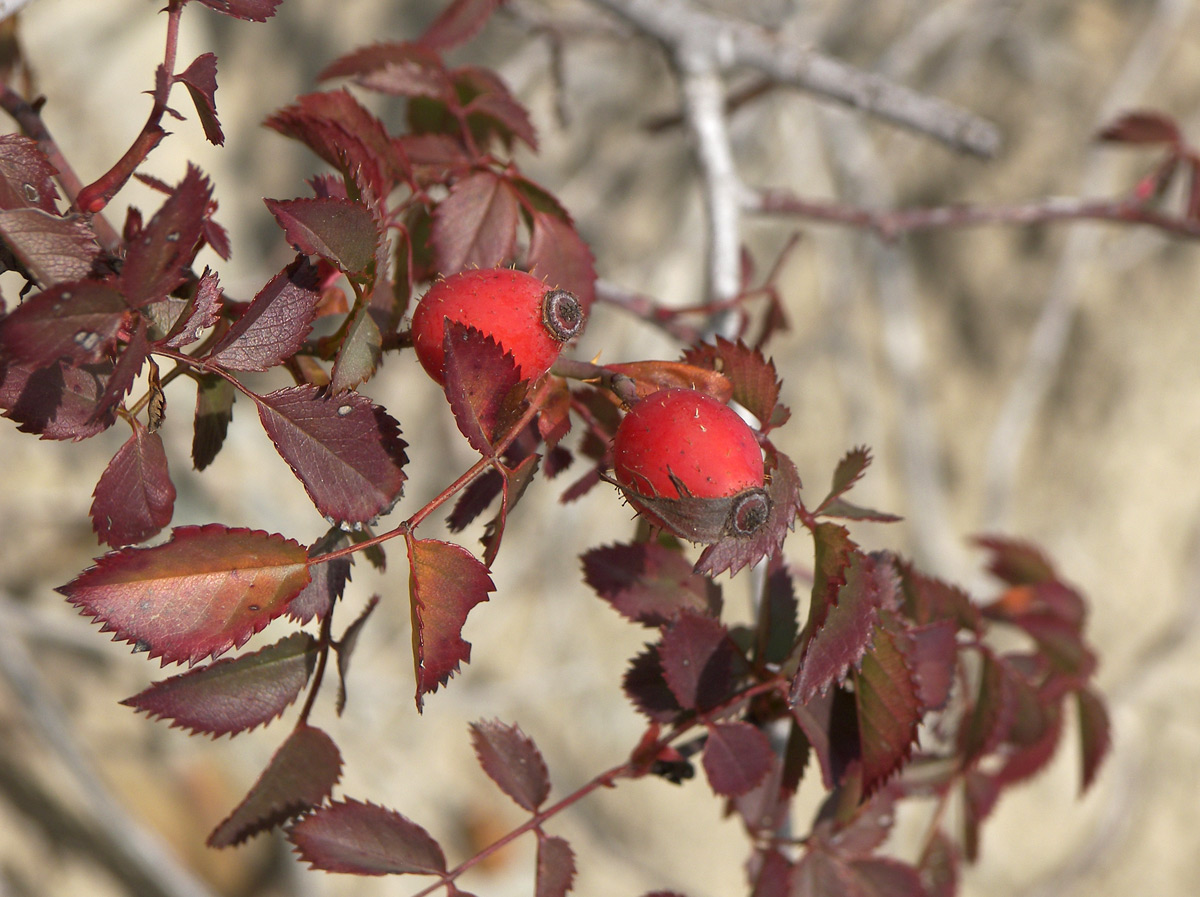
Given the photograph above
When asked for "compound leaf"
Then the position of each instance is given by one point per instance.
(365, 839)
(207, 590)
(512, 761)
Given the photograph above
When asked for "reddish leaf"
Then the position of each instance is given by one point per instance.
(233, 695)
(345, 649)
(51, 249)
(365, 839)
(445, 582)
(889, 708)
(938, 867)
(833, 549)
(774, 876)
(491, 109)
(555, 867)
(649, 583)
(512, 761)
(214, 411)
(559, 256)
(929, 600)
(155, 260)
(933, 658)
(755, 382)
(344, 232)
(77, 321)
(1095, 735)
(200, 78)
(345, 450)
(840, 641)
(848, 472)
(328, 581)
(1016, 562)
(135, 497)
(737, 756)
(26, 175)
(247, 10)
(361, 351)
(207, 590)
(300, 776)
(1142, 126)
(275, 324)
(457, 24)
(990, 711)
(399, 68)
(845, 510)
(476, 225)
(482, 385)
(56, 402)
(516, 481)
(883, 877)
(205, 311)
(697, 660)
(646, 687)
(129, 363)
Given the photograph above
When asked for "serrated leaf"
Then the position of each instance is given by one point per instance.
(482, 385)
(275, 324)
(737, 756)
(649, 583)
(328, 581)
(26, 175)
(135, 497)
(845, 510)
(346, 450)
(832, 548)
(300, 776)
(755, 382)
(360, 353)
(124, 372)
(399, 68)
(57, 402)
(200, 78)
(214, 411)
(247, 10)
(559, 256)
(842, 638)
(778, 625)
(889, 707)
(205, 311)
(445, 582)
(490, 108)
(555, 867)
(1095, 735)
(512, 761)
(345, 649)
(76, 321)
(476, 225)
(365, 839)
(698, 659)
(848, 472)
(51, 249)
(155, 261)
(236, 694)
(929, 600)
(344, 232)
(457, 24)
(207, 590)
(646, 687)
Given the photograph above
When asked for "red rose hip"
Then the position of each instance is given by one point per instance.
(517, 310)
(691, 465)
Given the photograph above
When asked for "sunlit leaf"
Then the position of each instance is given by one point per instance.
(235, 694)
(481, 384)
(26, 175)
(300, 776)
(559, 256)
(555, 866)
(204, 313)
(889, 708)
(76, 321)
(135, 497)
(365, 839)
(275, 324)
(755, 382)
(339, 230)
(476, 225)
(200, 78)
(56, 402)
(457, 24)
(360, 353)
(155, 261)
(247, 10)
(207, 590)
(512, 761)
(51, 249)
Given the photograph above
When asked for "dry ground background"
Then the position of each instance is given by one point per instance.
(930, 338)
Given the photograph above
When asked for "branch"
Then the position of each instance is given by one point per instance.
(730, 43)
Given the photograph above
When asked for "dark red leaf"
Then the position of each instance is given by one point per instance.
(328, 581)
(833, 549)
(476, 225)
(889, 708)
(361, 351)
(778, 625)
(346, 450)
(344, 232)
(365, 839)
(398, 68)
(848, 472)
(1142, 126)
(737, 756)
(990, 711)
(233, 695)
(516, 481)
(275, 324)
(56, 402)
(77, 321)
(247, 10)
(1016, 562)
(774, 876)
(482, 385)
(135, 497)
(649, 583)
(1095, 735)
(491, 109)
(205, 311)
(646, 687)
(207, 590)
(345, 649)
(755, 382)
(457, 24)
(884, 877)
(559, 256)
(51, 249)
(845, 510)
(300, 776)
(698, 659)
(445, 582)
(26, 175)
(868, 826)
(555, 867)
(214, 411)
(842, 638)
(155, 261)
(928, 600)
(200, 78)
(933, 657)
(512, 761)
(129, 364)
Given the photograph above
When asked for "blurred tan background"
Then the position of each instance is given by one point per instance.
(922, 351)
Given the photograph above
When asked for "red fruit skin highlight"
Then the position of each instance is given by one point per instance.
(508, 305)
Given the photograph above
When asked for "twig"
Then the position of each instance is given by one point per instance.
(730, 43)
